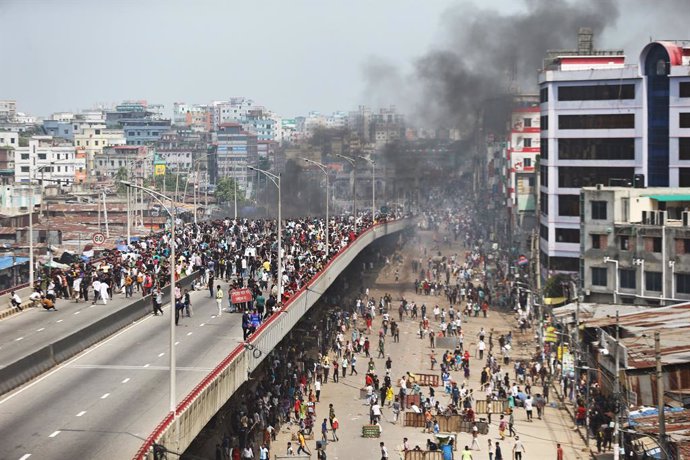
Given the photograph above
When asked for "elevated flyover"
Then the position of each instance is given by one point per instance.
(111, 401)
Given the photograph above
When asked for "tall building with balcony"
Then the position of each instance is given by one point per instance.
(606, 122)
(636, 244)
(235, 150)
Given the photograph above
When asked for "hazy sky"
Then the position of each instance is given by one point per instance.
(289, 55)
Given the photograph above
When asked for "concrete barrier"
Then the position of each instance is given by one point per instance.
(33, 365)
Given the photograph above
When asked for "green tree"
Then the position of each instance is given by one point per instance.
(225, 191)
(122, 174)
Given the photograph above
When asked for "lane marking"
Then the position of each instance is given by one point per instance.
(18, 339)
(105, 395)
(92, 305)
(202, 324)
(138, 368)
(59, 321)
(188, 334)
(125, 380)
(160, 354)
(24, 457)
(146, 365)
(81, 413)
(41, 329)
(177, 343)
(54, 433)
(76, 358)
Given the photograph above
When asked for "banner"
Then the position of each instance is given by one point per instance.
(242, 295)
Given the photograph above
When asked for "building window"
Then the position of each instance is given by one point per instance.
(578, 177)
(684, 120)
(596, 92)
(95, 143)
(598, 210)
(527, 142)
(599, 276)
(652, 244)
(652, 281)
(544, 175)
(683, 283)
(544, 95)
(627, 278)
(569, 205)
(624, 242)
(527, 122)
(596, 148)
(527, 162)
(544, 147)
(25, 169)
(25, 156)
(78, 143)
(98, 132)
(544, 203)
(608, 121)
(544, 122)
(684, 89)
(598, 241)
(544, 232)
(567, 235)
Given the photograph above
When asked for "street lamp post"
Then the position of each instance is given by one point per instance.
(323, 169)
(275, 178)
(159, 197)
(373, 185)
(352, 162)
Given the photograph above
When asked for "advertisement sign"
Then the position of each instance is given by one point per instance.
(241, 295)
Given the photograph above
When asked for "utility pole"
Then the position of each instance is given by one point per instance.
(660, 396)
(617, 397)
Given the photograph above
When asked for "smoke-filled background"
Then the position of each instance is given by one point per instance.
(485, 54)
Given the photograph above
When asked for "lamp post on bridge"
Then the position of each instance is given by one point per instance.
(275, 178)
(353, 163)
(373, 185)
(323, 169)
(159, 197)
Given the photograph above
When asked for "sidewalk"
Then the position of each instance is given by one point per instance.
(412, 354)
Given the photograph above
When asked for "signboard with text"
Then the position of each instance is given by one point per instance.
(242, 295)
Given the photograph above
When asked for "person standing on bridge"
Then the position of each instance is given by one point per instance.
(219, 300)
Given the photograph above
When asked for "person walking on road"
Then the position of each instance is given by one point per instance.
(157, 299)
(559, 452)
(466, 454)
(219, 299)
(498, 455)
(384, 451)
(335, 424)
(518, 448)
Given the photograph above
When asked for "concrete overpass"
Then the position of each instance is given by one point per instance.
(111, 401)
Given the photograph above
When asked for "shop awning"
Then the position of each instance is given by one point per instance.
(670, 197)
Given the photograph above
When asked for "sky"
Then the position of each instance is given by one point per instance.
(292, 56)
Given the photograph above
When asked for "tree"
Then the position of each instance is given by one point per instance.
(122, 174)
(225, 191)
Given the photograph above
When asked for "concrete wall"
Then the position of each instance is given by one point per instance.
(195, 411)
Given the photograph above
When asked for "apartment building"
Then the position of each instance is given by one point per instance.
(607, 122)
(48, 159)
(635, 244)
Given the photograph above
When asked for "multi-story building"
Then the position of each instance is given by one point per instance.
(604, 122)
(48, 159)
(635, 244)
(8, 110)
(135, 159)
(235, 150)
(387, 126)
(182, 148)
(195, 116)
(9, 139)
(93, 138)
(523, 152)
(143, 131)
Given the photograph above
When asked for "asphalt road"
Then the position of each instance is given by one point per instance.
(104, 402)
(30, 330)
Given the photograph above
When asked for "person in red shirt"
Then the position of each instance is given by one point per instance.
(559, 452)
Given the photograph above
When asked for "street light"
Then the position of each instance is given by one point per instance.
(323, 169)
(352, 162)
(373, 185)
(275, 178)
(157, 196)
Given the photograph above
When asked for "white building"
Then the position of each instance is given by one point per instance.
(9, 139)
(46, 159)
(8, 110)
(605, 122)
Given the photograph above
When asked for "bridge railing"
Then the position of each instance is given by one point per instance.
(177, 432)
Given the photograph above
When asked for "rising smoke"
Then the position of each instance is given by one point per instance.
(487, 56)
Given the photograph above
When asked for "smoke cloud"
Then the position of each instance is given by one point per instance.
(487, 55)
